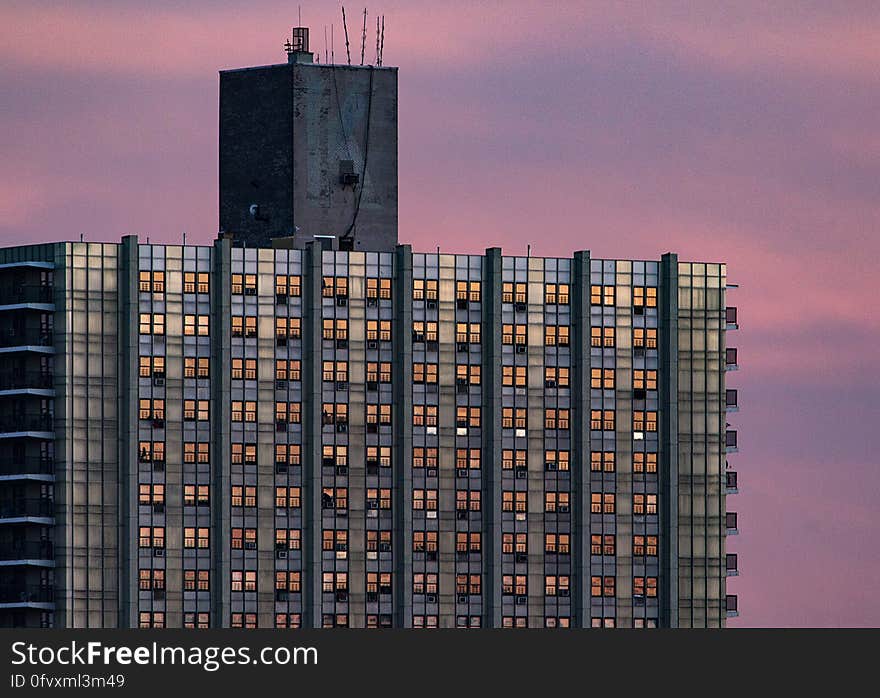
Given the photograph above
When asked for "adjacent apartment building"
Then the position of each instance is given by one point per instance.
(307, 424)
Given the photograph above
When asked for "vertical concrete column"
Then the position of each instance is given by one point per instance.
(311, 448)
(623, 405)
(536, 430)
(221, 378)
(580, 455)
(668, 418)
(127, 406)
(401, 453)
(491, 429)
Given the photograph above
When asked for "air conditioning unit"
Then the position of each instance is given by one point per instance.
(159, 507)
(520, 600)
(342, 596)
(520, 348)
(462, 346)
(431, 472)
(280, 384)
(281, 594)
(384, 547)
(341, 427)
(520, 473)
(431, 556)
(341, 301)
(461, 472)
(461, 304)
(431, 304)
(372, 344)
(372, 504)
(342, 470)
(341, 385)
(461, 514)
(372, 302)
(341, 343)
(550, 384)
(250, 291)
(522, 557)
(563, 508)
(158, 552)
(280, 340)
(280, 468)
(519, 307)
(563, 592)
(430, 598)
(550, 465)
(372, 596)
(462, 598)
(281, 554)
(372, 385)
(158, 381)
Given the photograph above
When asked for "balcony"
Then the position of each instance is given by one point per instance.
(11, 381)
(22, 340)
(730, 441)
(39, 425)
(730, 316)
(27, 552)
(731, 605)
(730, 359)
(27, 295)
(731, 400)
(730, 523)
(730, 565)
(730, 481)
(12, 595)
(18, 510)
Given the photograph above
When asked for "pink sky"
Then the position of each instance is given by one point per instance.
(722, 131)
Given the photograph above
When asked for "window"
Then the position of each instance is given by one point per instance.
(334, 498)
(152, 366)
(557, 543)
(602, 461)
(602, 336)
(644, 462)
(645, 338)
(424, 541)
(287, 497)
(194, 367)
(196, 538)
(467, 374)
(195, 324)
(335, 371)
(514, 501)
(151, 494)
(602, 420)
(152, 323)
(195, 410)
(244, 369)
(424, 583)
(602, 378)
(467, 584)
(644, 421)
(151, 452)
(467, 500)
(601, 503)
(335, 329)
(644, 504)
(555, 418)
(422, 331)
(424, 415)
(425, 373)
(513, 334)
(334, 286)
(287, 369)
(602, 586)
(602, 544)
(513, 292)
(645, 296)
(424, 457)
(244, 453)
(425, 500)
(379, 414)
(557, 460)
(556, 501)
(556, 294)
(645, 380)
(513, 417)
(196, 580)
(466, 417)
(287, 454)
(241, 411)
(151, 281)
(556, 335)
(556, 585)
(196, 495)
(511, 543)
(243, 496)
(424, 289)
(554, 376)
(467, 458)
(645, 586)
(645, 546)
(244, 538)
(514, 375)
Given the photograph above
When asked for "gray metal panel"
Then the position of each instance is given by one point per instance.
(221, 323)
(668, 424)
(580, 457)
(403, 437)
(491, 429)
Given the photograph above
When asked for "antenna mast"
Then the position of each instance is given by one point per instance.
(382, 44)
(325, 43)
(377, 39)
(364, 37)
(345, 27)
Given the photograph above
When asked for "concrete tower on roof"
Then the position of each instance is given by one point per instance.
(309, 150)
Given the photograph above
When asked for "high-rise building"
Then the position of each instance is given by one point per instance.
(312, 433)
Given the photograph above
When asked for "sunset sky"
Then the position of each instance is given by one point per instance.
(744, 132)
